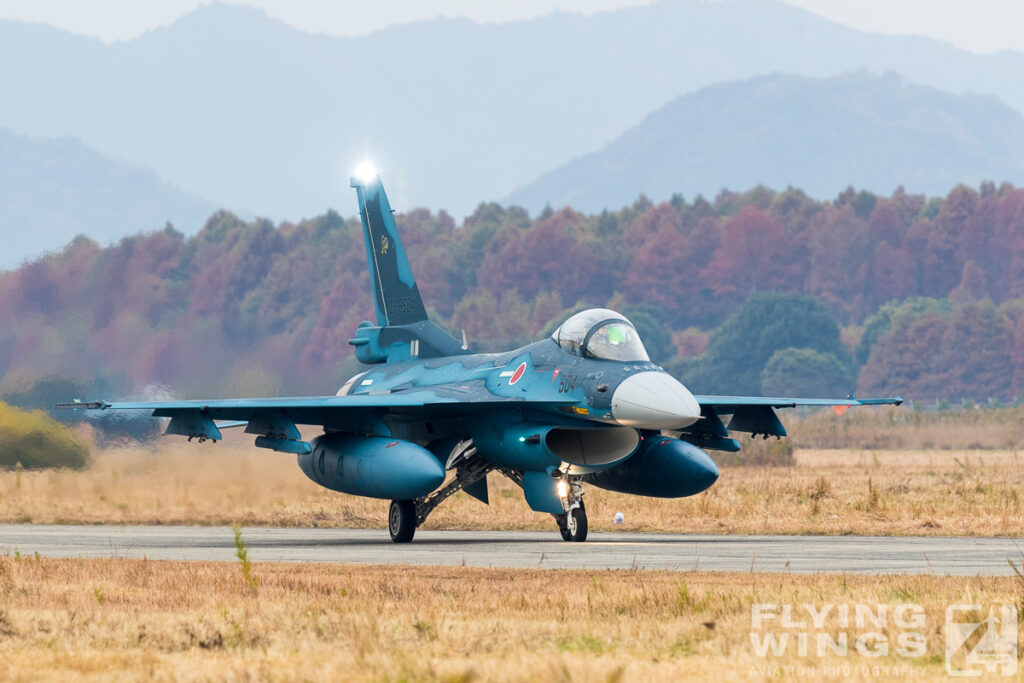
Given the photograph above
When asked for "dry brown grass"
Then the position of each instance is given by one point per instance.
(938, 492)
(137, 619)
(903, 428)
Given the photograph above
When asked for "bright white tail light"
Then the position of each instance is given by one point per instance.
(366, 171)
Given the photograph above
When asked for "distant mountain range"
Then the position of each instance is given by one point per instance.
(873, 132)
(232, 105)
(52, 190)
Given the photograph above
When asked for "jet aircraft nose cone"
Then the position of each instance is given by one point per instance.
(654, 400)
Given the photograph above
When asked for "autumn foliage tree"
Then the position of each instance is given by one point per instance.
(257, 307)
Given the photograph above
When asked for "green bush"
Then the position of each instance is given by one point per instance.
(806, 372)
(742, 346)
(35, 440)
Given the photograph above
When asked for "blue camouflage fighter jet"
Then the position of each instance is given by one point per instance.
(429, 417)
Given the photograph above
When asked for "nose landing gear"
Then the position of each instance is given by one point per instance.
(572, 525)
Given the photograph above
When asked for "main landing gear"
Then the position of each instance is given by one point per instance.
(404, 516)
(402, 520)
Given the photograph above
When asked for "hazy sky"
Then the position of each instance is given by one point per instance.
(979, 25)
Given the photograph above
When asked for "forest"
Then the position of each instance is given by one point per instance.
(754, 292)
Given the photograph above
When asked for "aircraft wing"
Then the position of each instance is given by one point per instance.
(311, 409)
(723, 404)
(756, 414)
(237, 408)
(275, 419)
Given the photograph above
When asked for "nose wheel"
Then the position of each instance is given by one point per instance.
(573, 524)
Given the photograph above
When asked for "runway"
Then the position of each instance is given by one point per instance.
(679, 552)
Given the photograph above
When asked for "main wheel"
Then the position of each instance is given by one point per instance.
(575, 525)
(402, 520)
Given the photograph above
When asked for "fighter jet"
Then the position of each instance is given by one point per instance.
(429, 417)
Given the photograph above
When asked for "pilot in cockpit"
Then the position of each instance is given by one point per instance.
(602, 334)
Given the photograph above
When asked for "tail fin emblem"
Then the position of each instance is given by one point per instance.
(384, 244)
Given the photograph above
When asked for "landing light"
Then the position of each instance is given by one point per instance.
(563, 490)
(366, 172)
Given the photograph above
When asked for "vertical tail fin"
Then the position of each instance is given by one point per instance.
(396, 296)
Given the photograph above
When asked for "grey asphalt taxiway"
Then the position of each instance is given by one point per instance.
(680, 552)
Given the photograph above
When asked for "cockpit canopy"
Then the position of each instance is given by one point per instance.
(601, 333)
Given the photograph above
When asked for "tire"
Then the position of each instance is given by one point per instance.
(402, 520)
(579, 534)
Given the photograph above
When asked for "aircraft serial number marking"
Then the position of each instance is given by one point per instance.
(400, 304)
(566, 384)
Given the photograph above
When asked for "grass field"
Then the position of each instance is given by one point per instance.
(133, 619)
(929, 492)
(123, 619)
(904, 428)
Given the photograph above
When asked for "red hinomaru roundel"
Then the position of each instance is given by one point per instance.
(518, 374)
